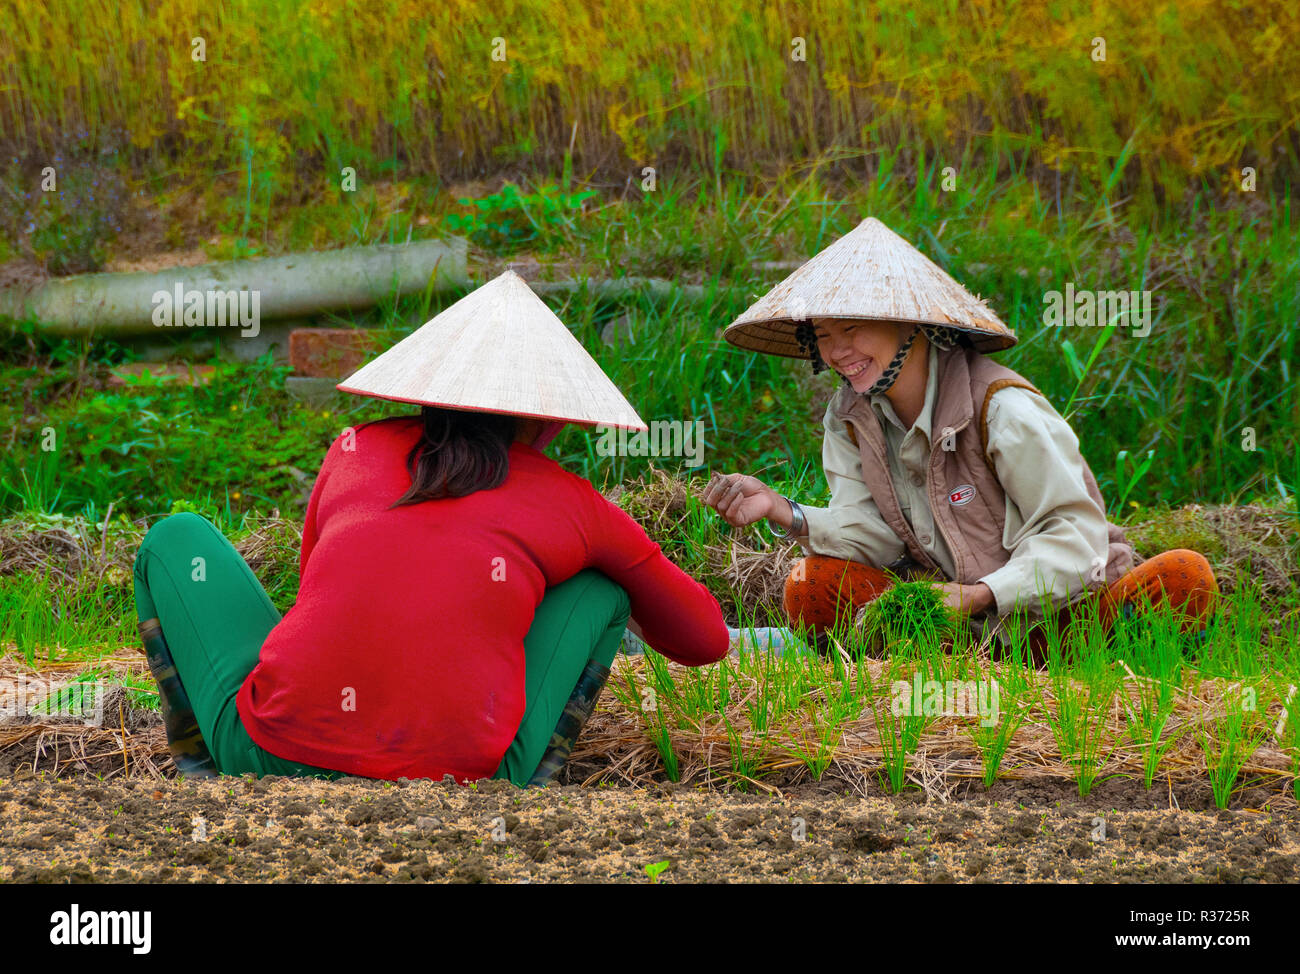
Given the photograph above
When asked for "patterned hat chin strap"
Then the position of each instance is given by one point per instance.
(890, 375)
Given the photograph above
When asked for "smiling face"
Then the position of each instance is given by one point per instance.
(857, 349)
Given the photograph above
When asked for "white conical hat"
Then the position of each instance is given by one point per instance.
(499, 349)
(871, 272)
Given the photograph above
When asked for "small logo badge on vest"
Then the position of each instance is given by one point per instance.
(961, 495)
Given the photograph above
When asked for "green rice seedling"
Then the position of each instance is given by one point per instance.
(141, 691)
(910, 622)
(899, 730)
(661, 688)
(1150, 647)
(77, 698)
(704, 690)
(664, 743)
(625, 687)
(801, 675)
(1287, 729)
(645, 700)
(1150, 704)
(1084, 695)
(904, 616)
(746, 755)
(819, 747)
(822, 721)
(1015, 687)
(764, 703)
(1231, 739)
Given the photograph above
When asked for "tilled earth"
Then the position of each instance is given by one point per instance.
(358, 830)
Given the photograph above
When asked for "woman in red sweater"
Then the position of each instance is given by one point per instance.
(461, 598)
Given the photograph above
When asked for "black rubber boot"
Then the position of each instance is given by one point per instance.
(579, 707)
(189, 752)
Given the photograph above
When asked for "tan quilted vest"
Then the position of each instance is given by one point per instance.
(972, 523)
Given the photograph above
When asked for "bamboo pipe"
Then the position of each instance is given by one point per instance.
(291, 286)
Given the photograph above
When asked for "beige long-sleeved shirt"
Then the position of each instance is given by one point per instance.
(1055, 532)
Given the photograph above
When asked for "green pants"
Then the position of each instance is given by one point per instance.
(215, 629)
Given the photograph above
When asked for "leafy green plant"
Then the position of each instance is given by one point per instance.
(906, 615)
(1126, 482)
(505, 221)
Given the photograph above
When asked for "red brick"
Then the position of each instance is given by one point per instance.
(333, 353)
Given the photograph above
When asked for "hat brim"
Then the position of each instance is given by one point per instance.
(776, 336)
(341, 387)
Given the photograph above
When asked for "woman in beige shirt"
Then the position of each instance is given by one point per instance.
(940, 461)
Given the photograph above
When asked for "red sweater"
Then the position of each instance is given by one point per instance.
(404, 654)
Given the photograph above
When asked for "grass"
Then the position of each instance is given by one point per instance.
(1186, 391)
(43, 621)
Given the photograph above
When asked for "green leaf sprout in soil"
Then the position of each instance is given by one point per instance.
(1229, 739)
(1015, 701)
(1083, 696)
(899, 734)
(1152, 658)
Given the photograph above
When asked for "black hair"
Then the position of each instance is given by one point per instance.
(458, 452)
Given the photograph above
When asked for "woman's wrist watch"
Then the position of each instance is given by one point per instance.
(798, 523)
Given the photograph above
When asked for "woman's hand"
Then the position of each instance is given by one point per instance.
(968, 599)
(742, 500)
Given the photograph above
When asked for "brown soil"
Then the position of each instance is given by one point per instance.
(355, 830)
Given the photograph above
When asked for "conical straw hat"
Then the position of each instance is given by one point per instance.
(871, 272)
(499, 349)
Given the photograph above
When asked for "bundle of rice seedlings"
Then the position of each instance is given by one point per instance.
(906, 614)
